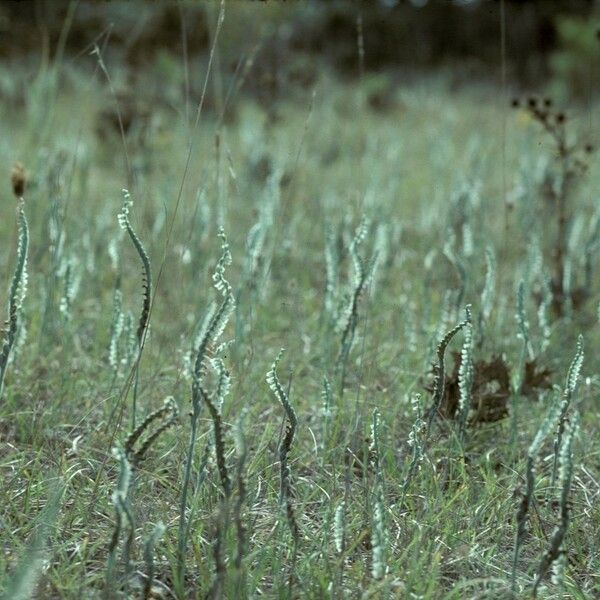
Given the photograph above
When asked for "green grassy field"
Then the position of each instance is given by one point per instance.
(358, 234)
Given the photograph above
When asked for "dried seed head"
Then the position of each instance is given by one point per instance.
(532, 102)
(17, 178)
(589, 148)
(515, 103)
(547, 102)
(560, 117)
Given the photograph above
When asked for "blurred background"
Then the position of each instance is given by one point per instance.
(283, 45)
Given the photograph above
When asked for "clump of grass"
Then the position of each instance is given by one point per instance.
(21, 585)
(18, 286)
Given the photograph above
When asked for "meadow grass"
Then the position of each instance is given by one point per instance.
(354, 238)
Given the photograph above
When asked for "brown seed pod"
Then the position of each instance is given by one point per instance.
(18, 179)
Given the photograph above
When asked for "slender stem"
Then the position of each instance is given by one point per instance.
(182, 542)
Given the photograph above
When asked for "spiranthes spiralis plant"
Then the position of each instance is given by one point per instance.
(523, 334)
(123, 519)
(440, 375)
(240, 480)
(558, 189)
(327, 397)
(332, 260)
(285, 482)
(542, 314)
(116, 329)
(527, 495)
(149, 549)
(416, 441)
(339, 527)
(382, 254)
(555, 555)
(466, 373)
(458, 263)
(487, 294)
(55, 241)
(567, 397)
(379, 540)
(203, 345)
(165, 417)
(214, 404)
(348, 316)
(133, 451)
(18, 286)
(144, 320)
(70, 276)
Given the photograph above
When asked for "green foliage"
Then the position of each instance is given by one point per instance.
(577, 55)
